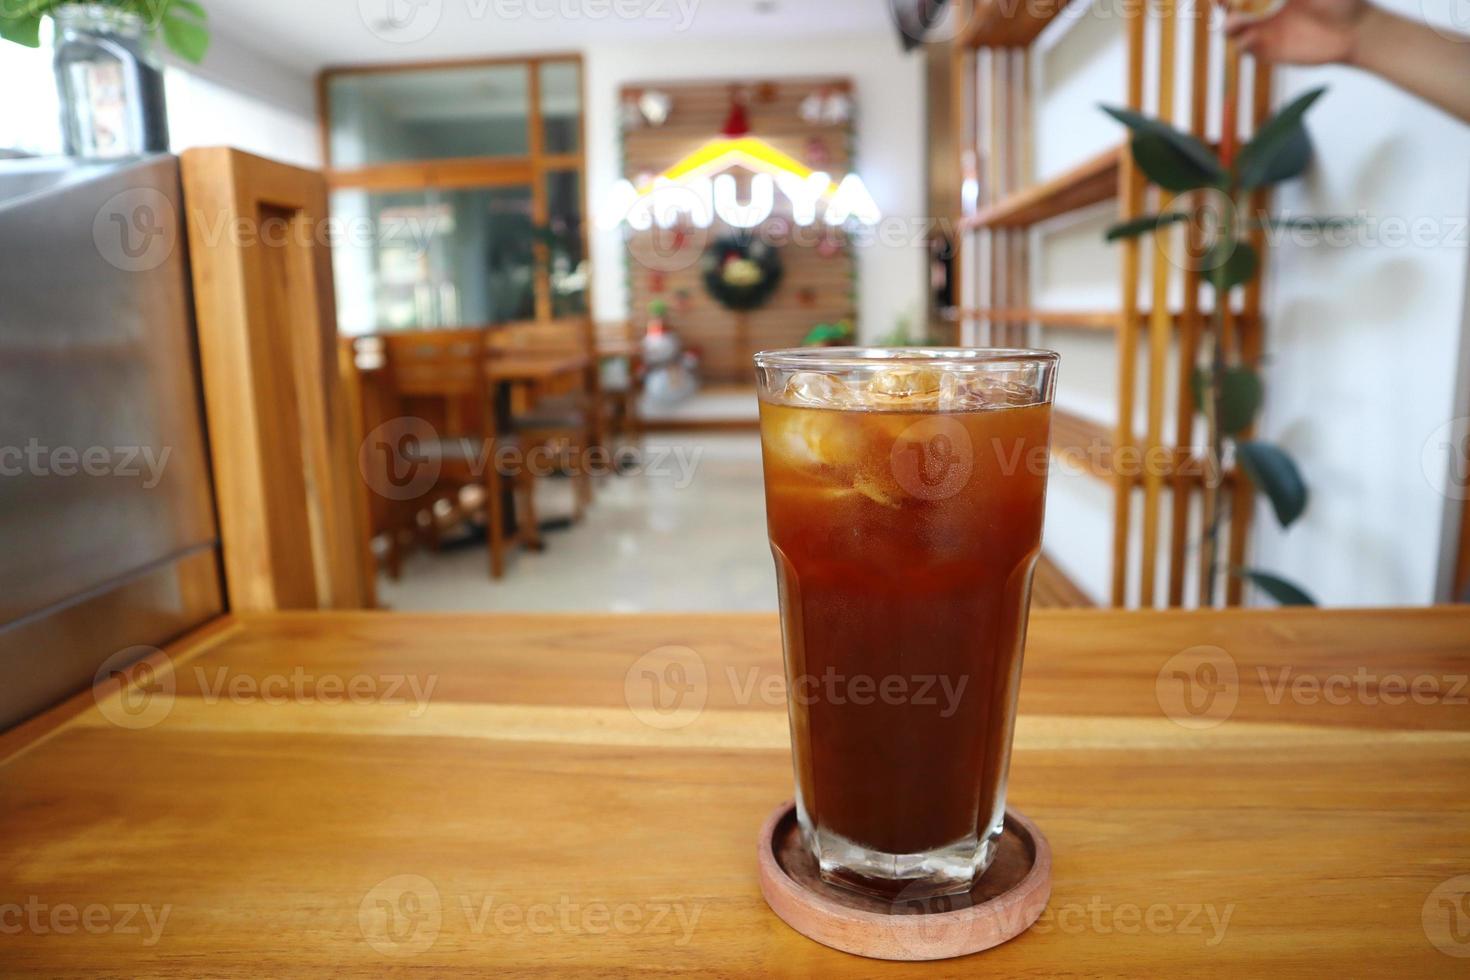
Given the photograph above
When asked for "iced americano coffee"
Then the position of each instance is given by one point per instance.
(904, 496)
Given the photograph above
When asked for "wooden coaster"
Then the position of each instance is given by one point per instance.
(1009, 897)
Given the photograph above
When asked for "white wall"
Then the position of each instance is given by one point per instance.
(241, 99)
(889, 155)
(235, 98)
(1362, 339)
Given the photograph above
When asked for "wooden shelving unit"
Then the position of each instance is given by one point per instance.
(991, 69)
(1091, 182)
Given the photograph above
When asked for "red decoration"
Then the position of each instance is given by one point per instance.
(737, 123)
(816, 151)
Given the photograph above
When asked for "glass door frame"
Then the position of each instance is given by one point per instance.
(530, 169)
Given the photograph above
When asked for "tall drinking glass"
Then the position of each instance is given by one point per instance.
(904, 497)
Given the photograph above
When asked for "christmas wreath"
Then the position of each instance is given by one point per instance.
(741, 274)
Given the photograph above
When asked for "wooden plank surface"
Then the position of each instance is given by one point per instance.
(499, 797)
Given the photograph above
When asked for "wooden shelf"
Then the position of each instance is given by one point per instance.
(1090, 443)
(1072, 319)
(1090, 182)
(1007, 24)
(1090, 320)
(1083, 441)
(1052, 589)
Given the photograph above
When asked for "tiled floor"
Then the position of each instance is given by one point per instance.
(687, 534)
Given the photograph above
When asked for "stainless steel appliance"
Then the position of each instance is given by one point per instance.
(108, 537)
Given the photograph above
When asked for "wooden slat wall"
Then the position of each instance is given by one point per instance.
(1160, 517)
(814, 288)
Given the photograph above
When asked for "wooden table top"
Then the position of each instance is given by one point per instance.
(534, 366)
(369, 794)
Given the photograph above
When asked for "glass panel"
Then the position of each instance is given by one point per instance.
(432, 258)
(561, 106)
(384, 117)
(569, 269)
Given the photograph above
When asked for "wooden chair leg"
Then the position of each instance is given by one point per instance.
(395, 553)
(528, 525)
(494, 522)
(583, 480)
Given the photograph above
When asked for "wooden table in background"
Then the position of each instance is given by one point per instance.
(534, 368)
(518, 817)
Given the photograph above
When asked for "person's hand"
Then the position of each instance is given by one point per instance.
(1302, 32)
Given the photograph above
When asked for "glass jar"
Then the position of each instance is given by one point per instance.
(110, 83)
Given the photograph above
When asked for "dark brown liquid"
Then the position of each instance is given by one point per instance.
(904, 545)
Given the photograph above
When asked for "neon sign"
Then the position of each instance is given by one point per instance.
(701, 187)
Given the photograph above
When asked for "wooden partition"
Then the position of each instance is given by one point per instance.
(291, 507)
(1156, 344)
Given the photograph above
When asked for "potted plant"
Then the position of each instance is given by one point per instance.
(1212, 192)
(107, 72)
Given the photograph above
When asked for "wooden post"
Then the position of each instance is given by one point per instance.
(1132, 201)
(1189, 321)
(1252, 335)
(280, 445)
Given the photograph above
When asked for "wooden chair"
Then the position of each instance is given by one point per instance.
(561, 414)
(620, 379)
(439, 377)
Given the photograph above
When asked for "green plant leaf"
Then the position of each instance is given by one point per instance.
(1281, 148)
(1230, 263)
(1162, 163)
(1240, 397)
(1142, 224)
(1278, 588)
(1173, 159)
(24, 29)
(1275, 475)
(184, 31)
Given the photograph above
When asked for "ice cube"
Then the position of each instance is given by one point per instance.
(972, 392)
(877, 491)
(815, 390)
(817, 439)
(902, 386)
(905, 380)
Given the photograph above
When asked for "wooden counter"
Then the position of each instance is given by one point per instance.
(380, 794)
